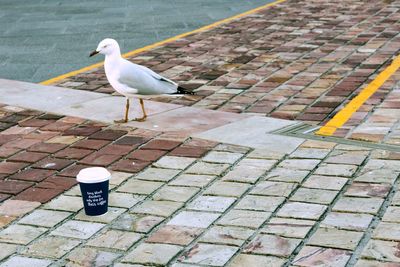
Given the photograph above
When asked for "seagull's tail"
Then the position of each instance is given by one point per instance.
(183, 91)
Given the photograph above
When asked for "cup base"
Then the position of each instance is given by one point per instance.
(97, 215)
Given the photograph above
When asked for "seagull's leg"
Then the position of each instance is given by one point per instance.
(126, 113)
(143, 118)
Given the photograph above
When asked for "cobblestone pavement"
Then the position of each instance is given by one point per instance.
(43, 39)
(191, 202)
(52, 149)
(298, 60)
(378, 119)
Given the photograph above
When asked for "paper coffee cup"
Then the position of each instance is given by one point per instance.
(94, 183)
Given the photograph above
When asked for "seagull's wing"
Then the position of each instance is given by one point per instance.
(156, 75)
(146, 81)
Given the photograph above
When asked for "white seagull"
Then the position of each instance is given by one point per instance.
(130, 79)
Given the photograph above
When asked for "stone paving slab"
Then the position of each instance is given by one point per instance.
(187, 120)
(254, 132)
(38, 97)
(106, 109)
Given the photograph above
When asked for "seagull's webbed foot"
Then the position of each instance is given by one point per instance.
(121, 121)
(142, 119)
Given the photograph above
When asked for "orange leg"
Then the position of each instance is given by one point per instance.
(143, 118)
(125, 120)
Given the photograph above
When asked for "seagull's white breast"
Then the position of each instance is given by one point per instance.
(130, 79)
(113, 74)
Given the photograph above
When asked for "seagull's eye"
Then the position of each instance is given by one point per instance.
(105, 46)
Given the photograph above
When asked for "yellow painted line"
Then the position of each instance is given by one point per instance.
(157, 44)
(344, 115)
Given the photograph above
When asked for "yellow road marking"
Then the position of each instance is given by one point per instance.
(344, 114)
(149, 47)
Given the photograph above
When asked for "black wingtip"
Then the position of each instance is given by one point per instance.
(183, 91)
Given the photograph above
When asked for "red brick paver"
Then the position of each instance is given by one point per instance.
(46, 167)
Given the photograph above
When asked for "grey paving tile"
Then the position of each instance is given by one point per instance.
(193, 180)
(176, 193)
(335, 238)
(254, 260)
(115, 239)
(82, 256)
(65, 203)
(214, 255)
(240, 218)
(157, 174)
(260, 203)
(358, 205)
(272, 245)
(19, 261)
(235, 236)
(171, 162)
(193, 219)
(311, 256)
(382, 250)
(157, 207)
(222, 157)
(152, 254)
(44, 218)
(7, 250)
(257, 129)
(211, 203)
(226, 189)
(139, 187)
(141, 223)
(77, 229)
(53, 247)
(302, 210)
(294, 228)
(21, 234)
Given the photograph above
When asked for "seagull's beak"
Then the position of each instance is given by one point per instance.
(93, 53)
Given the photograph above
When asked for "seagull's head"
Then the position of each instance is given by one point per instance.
(106, 47)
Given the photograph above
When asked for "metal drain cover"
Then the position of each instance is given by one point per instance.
(306, 131)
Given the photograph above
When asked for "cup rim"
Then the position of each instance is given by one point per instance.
(93, 175)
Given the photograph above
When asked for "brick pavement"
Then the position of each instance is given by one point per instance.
(190, 201)
(297, 60)
(42, 153)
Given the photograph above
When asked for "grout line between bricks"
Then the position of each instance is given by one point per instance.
(370, 113)
(330, 206)
(201, 191)
(367, 234)
(166, 219)
(355, 92)
(318, 61)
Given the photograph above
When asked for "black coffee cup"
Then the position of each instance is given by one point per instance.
(94, 183)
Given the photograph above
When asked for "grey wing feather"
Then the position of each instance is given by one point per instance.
(145, 80)
(156, 75)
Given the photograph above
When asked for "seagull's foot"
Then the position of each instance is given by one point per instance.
(121, 121)
(142, 119)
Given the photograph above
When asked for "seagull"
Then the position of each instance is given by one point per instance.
(133, 80)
